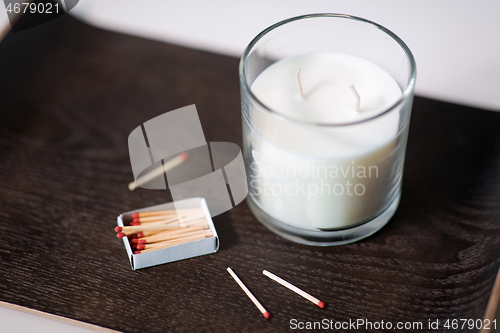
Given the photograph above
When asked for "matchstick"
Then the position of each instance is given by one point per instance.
(166, 212)
(165, 217)
(493, 302)
(163, 220)
(132, 229)
(249, 294)
(188, 231)
(171, 243)
(167, 235)
(183, 219)
(159, 224)
(147, 233)
(187, 223)
(197, 224)
(179, 223)
(168, 218)
(179, 238)
(156, 218)
(159, 171)
(295, 289)
(129, 230)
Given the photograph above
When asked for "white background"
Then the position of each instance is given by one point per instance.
(456, 43)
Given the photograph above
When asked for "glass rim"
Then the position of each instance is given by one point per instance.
(406, 93)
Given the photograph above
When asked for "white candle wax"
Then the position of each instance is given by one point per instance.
(324, 177)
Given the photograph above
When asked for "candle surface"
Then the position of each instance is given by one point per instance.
(325, 177)
(326, 79)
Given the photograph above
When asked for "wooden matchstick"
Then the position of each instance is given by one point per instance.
(166, 212)
(295, 289)
(165, 217)
(491, 307)
(169, 219)
(249, 294)
(155, 226)
(147, 233)
(166, 244)
(129, 230)
(299, 83)
(187, 224)
(178, 238)
(128, 233)
(191, 220)
(356, 97)
(182, 221)
(156, 218)
(157, 172)
(163, 220)
(165, 235)
(141, 234)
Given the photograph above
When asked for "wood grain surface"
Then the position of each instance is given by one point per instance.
(70, 96)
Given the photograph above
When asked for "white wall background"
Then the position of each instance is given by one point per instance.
(456, 43)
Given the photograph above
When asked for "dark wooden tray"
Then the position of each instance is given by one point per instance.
(71, 94)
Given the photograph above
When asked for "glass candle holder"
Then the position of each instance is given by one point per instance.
(326, 103)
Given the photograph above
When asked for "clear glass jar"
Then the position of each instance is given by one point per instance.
(325, 182)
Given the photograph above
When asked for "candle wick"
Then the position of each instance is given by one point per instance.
(299, 84)
(356, 97)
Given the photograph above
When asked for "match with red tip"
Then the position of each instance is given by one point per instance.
(135, 215)
(294, 288)
(118, 229)
(259, 306)
(140, 247)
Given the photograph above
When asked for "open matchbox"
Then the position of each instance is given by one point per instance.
(177, 252)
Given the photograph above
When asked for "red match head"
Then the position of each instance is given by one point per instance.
(321, 304)
(135, 215)
(140, 247)
(140, 234)
(137, 219)
(267, 315)
(118, 229)
(120, 235)
(137, 252)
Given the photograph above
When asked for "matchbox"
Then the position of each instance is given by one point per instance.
(176, 252)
